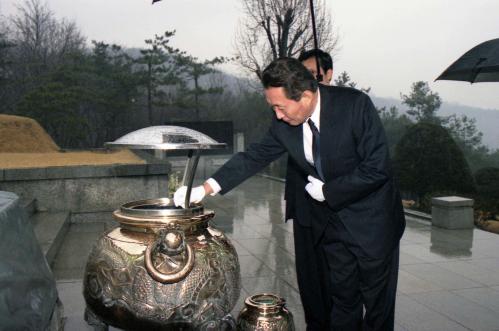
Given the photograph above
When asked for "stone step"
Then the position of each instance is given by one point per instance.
(29, 206)
(417, 214)
(50, 229)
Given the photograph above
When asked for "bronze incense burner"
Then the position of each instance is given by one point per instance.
(164, 267)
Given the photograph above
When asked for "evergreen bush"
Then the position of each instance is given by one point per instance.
(427, 161)
(487, 197)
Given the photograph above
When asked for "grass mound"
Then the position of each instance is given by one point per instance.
(25, 144)
(24, 135)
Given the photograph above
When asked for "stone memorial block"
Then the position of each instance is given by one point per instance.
(452, 212)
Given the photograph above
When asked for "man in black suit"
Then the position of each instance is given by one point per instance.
(324, 76)
(309, 60)
(347, 211)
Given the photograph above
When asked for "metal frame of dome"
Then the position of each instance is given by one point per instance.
(166, 137)
(170, 137)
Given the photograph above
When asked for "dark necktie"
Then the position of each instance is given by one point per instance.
(316, 147)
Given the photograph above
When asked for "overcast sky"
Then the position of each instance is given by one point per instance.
(384, 44)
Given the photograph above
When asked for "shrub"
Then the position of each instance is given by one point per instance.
(428, 160)
(487, 183)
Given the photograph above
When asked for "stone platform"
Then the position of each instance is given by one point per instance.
(88, 188)
(448, 279)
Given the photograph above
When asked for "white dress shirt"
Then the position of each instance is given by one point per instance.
(307, 132)
(307, 141)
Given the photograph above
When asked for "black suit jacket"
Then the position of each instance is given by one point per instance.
(359, 187)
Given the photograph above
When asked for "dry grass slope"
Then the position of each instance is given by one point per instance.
(24, 135)
(25, 144)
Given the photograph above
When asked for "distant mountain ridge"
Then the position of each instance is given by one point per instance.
(487, 120)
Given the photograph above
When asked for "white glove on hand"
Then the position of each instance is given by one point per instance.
(314, 188)
(197, 195)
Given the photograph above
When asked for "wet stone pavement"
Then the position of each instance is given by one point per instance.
(448, 279)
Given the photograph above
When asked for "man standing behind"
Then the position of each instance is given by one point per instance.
(348, 217)
(309, 60)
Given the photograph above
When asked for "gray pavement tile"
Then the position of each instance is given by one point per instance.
(47, 225)
(481, 234)
(71, 295)
(222, 220)
(280, 264)
(421, 251)
(238, 231)
(491, 264)
(275, 285)
(299, 321)
(465, 312)
(68, 273)
(288, 226)
(471, 271)
(409, 283)
(262, 246)
(74, 250)
(415, 237)
(89, 227)
(273, 231)
(241, 251)
(260, 214)
(486, 248)
(298, 316)
(253, 267)
(288, 246)
(406, 258)
(280, 236)
(439, 276)
(398, 327)
(414, 316)
(239, 303)
(485, 296)
(436, 254)
(219, 212)
(290, 278)
(77, 323)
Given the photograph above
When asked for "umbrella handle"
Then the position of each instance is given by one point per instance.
(314, 30)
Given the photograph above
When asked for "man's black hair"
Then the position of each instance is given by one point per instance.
(325, 60)
(291, 75)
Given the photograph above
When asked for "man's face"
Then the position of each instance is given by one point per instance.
(311, 65)
(288, 110)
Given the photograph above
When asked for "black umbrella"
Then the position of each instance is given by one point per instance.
(479, 64)
(316, 46)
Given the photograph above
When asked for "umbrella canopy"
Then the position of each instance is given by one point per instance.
(479, 64)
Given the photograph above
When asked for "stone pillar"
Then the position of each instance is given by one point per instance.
(452, 212)
(239, 142)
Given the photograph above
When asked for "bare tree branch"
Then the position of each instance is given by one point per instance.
(278, 28)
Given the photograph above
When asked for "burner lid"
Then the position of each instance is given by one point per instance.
(166, 137)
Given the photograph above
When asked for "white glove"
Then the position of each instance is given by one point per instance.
(197, 195)
(314, 188)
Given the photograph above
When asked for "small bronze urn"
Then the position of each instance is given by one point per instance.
(265, 312)
(164, 267)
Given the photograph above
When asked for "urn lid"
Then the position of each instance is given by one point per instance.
(265, 302)
(166, 137)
